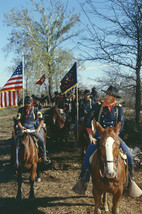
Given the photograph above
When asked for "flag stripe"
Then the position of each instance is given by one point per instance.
(10, 92)
(42, 80)
(11, 83)
(8, 99)
(13, 88)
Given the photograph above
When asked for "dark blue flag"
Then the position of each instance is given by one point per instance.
(69, 80)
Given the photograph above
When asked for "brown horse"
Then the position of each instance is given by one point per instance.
(83, 139)
(108, 170)
(58, 125)
(26, 158)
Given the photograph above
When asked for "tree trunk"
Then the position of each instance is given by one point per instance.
(50, 83)
(138, 96)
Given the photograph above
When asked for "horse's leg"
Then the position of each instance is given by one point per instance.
(38, 174)
(19, 179)
(97, 198)
(116, 200)
(32, 179)
(105, 204)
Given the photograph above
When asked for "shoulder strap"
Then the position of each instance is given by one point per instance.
(90, 103)
(33, 111)
(117, 106)
(100, 112)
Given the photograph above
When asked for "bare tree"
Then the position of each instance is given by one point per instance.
(118, 40)
(40, 32)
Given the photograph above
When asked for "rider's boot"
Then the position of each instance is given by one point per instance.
(131, 171)
(46, 160)
(81, 186)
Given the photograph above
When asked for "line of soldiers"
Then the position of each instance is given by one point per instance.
(107, 113)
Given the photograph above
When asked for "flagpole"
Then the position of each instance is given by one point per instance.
(23, 74)
(77, 113)
(77, 109)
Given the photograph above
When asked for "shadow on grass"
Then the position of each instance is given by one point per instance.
(28, 206)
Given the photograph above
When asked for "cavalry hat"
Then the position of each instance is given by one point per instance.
(93, 88)
(28, 100)
(87, 92)
(113, 91)
(56, 92)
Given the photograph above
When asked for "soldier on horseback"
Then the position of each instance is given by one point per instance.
(85, 106)
(108, 114)
(29, 117)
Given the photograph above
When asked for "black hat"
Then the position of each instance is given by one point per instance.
(93, 88)
(28, 100)
(87, 92)
(113, 91)
(56, 92)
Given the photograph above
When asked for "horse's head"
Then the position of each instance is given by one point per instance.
(21, 138)
(59, 118)
(109, 149)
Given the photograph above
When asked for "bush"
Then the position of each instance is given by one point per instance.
(132, 134)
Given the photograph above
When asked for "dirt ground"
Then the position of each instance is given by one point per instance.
(53, 195)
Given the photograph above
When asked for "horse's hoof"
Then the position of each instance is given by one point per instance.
(31, 196)
(106, 208)
(18, 197)
(38, 180)
(115, 211)
(97, 211)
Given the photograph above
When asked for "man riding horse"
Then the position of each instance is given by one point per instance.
(108, 114)
(29, 117)
(85, 106)
(60, 104)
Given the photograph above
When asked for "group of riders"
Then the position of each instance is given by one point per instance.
(107, 112)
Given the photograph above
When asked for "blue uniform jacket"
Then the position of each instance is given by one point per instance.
(107, 118)
(29, 119)
(60, 102)
(86, 106)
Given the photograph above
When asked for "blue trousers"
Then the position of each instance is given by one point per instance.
(75, 128)
(91, 149)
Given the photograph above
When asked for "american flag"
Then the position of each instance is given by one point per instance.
(10, 91)
(16, 80)
(9, 99)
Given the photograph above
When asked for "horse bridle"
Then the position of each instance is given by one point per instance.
(110, 161)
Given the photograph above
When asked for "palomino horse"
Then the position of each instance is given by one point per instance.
(108, 170)
(26, 158)
(58, 125)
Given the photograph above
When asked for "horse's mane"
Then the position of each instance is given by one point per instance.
(20, 138)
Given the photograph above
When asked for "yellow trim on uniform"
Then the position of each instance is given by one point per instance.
(39, 115)
(19, 116)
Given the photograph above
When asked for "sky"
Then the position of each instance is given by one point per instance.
(91, 70)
